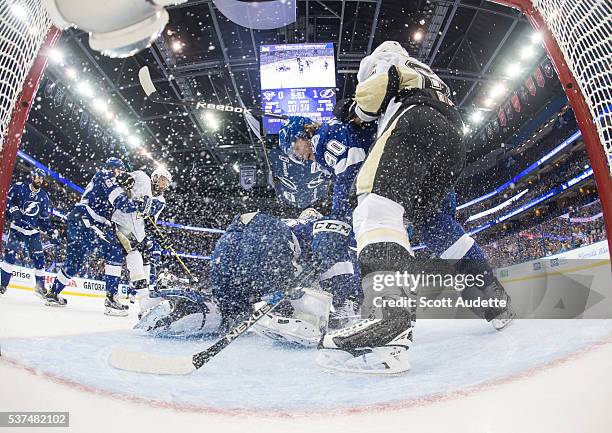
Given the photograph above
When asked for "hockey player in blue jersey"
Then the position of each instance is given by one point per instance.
(28, 210)
(257, 257)
(89, 229)
(338, 148)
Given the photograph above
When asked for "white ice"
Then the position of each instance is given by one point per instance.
(57, 358)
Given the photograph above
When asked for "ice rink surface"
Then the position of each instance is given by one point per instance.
(546, 375)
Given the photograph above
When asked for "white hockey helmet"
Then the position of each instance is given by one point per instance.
(161, 172)
(391, 47)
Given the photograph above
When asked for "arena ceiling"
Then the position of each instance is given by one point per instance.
(202, 54)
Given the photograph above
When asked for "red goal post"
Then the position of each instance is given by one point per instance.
(577, 35)
(26, 35)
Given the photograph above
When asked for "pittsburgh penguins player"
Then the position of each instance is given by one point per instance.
(408, 173)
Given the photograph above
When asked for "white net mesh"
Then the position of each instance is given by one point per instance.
(583, 30)
(23, 27)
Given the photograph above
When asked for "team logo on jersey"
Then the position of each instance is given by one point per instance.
(269, 94)
(327, 93)
(31, 208)
(287, 183)
(314, 183)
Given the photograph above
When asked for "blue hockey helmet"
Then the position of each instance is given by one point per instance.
(294, 128)
(38, 172)
(114, 163)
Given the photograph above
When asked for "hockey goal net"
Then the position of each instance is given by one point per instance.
(25, 30)
(577, 35)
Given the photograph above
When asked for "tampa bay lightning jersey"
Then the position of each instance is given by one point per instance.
(301, 228)
(33, 205)
(157, 206)
(340, 150)
(103, 195)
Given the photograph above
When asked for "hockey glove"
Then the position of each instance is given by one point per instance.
(344, 110)
(144, 204)
(125, 180)
(15, 214)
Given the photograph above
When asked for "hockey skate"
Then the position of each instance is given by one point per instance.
(52, 299)
(114, 307)
(372, 345)
(500, 318)
(40, 291)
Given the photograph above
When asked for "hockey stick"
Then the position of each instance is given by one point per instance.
(140, 362)
(154, 96)
(159, 233)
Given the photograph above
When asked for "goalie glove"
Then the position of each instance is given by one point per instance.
(125, 180)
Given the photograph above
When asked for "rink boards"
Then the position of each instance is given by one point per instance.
(23, 279)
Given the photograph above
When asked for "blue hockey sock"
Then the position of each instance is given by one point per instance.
(6, 267)
(61, 281)
(448, 240)
(112, 284)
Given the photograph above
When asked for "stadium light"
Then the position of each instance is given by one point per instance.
(121, 127)
(134, 141)
(56, 55)
(514, 69)
(177, 46)
(417, 36)
(211, 120)
(100, 105)
(497, 90)
(476, 117)
(488, 102)
(466, 130)
(536, 38)
(527, 52)
(71, 73)
(85, 89)
(236, 167)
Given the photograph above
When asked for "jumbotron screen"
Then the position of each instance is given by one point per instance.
(297, 79)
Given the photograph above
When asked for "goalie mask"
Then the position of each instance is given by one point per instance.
(117, 28)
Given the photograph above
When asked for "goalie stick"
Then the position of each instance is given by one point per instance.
(141, 362)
